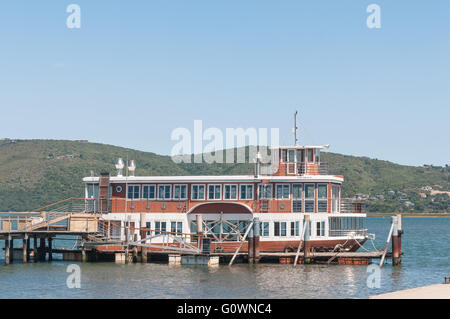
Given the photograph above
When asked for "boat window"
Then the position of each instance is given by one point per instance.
(297, 190)
(335, 198)
(160, 226)
(247, 192)
(148, 226)
(297, 194)
(291, 157)
(317, 155)
(322, 194)
(300, 156)
(198, 192)
(282, 191)
(320, 228)
(279, 228)
(310, 155)
(309, 191)
(149, 192)
(180, 192)
(283, 228)
(265, 191)
(164, 192)
(193, 227)
(309, 198)
(230, 192)
(176, 227)
(133, 191)
(214, 191)
(284, 156)
(295, 228)
(264, 229)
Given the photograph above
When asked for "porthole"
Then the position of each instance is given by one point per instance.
(118, 189)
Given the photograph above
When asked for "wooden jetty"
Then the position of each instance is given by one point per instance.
(43, 228)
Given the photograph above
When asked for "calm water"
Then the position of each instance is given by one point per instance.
(426, 244)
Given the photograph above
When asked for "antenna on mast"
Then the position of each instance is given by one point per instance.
(294, 130)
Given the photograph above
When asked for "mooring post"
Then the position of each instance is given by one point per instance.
(400, 232)
(35, 249)
(391, 230)
(143, 235)
(83, 249)
(11, 249)
(256, 235)
(42, 248)
(396, 241)
(199, 220)
(83, 254)
(50, 252)
(7, 251)
(251, 247)
(306, 245)
(25, 249)
(28, 247)
(135, 254)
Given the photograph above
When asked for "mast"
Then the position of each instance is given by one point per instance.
(295, 128)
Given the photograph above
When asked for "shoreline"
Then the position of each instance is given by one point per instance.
(436, 291)
(419, 215)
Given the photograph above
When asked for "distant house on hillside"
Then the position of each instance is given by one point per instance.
(391, 192)
(427, 188)
(423, 195)
(434, 192)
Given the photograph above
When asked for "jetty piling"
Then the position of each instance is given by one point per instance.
(256, 236)
(250, 246)
(299, 247)
(35, 248)
(143, 235)
(7, 251)
(25, 249)
(307, 248)
(50, 251)
(42, 249)
(397, 240)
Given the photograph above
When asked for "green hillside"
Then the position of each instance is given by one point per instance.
(34, 173)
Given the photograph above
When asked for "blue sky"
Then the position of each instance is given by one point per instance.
(147, 67)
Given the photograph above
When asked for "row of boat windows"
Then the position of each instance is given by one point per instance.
(232, 191)
(300, 156)
(161, 226)
(280, 229)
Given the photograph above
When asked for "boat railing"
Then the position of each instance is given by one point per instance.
(312, 168)
(351, 205)
(348, 233)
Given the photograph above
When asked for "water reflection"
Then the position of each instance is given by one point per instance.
(426, 261)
